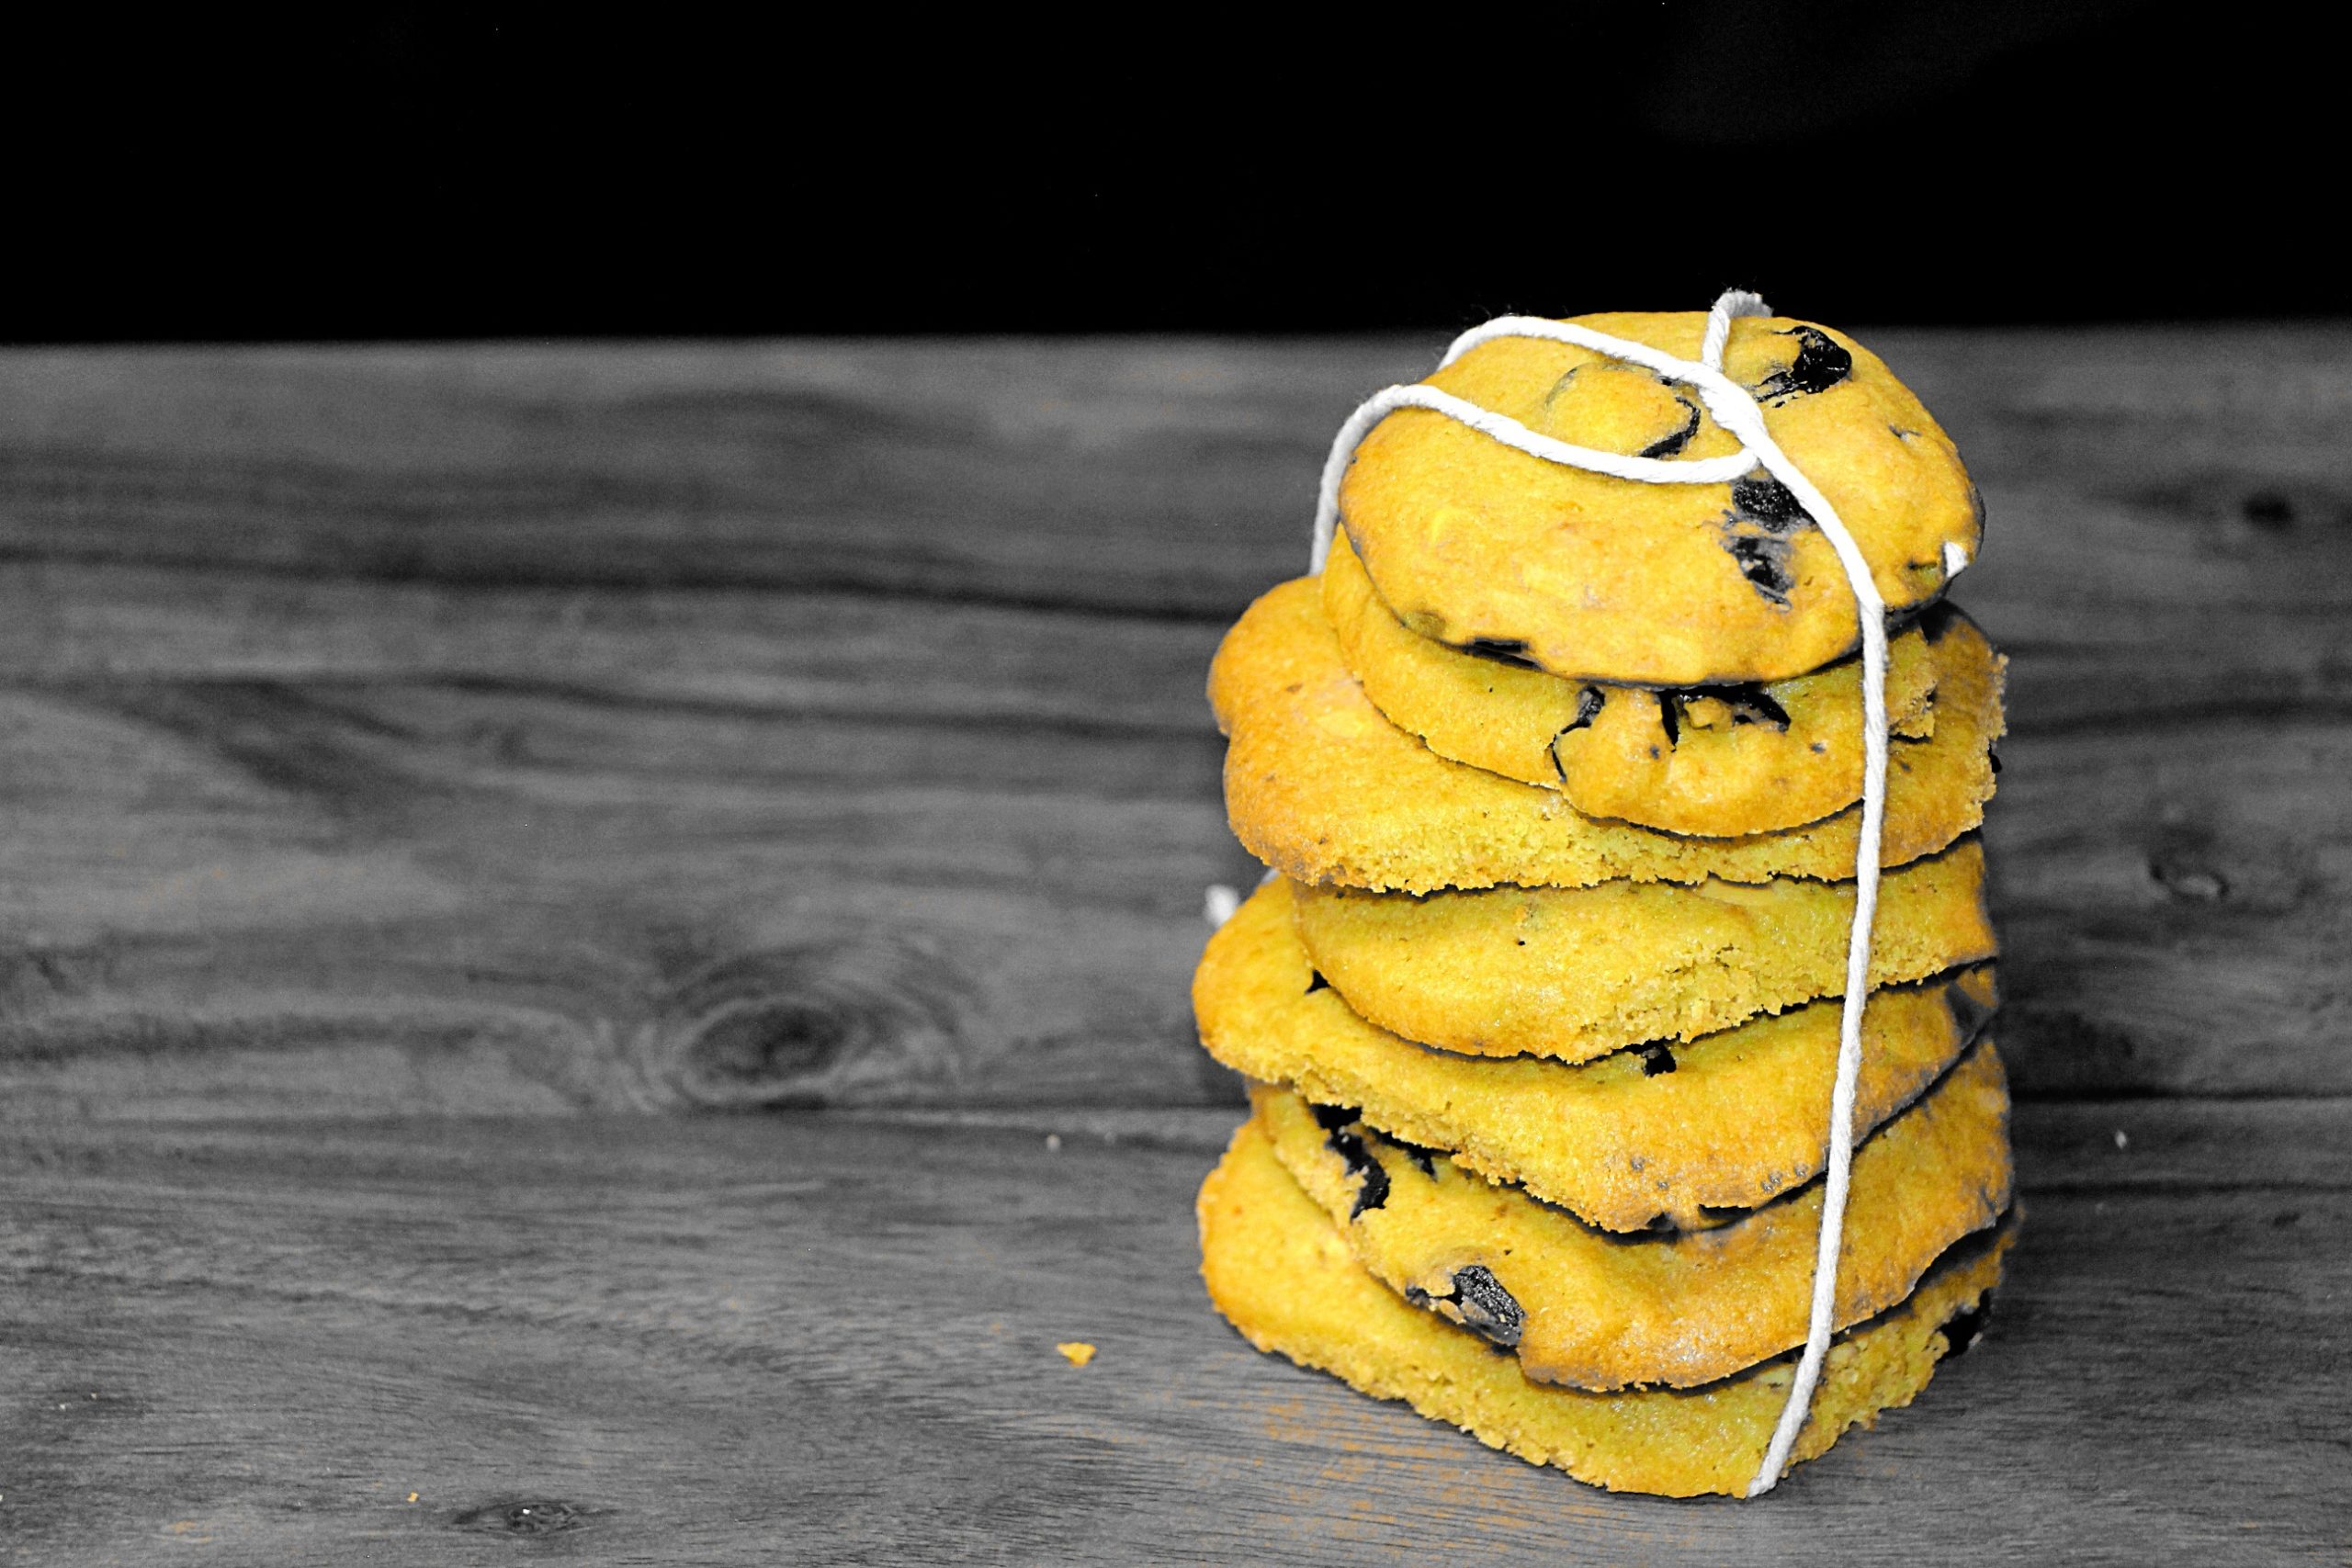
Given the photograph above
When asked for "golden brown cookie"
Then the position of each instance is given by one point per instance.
(1653, 1136)
(1282, 1275)
(1576, 972)
(1321, 787)
(1614, 580)
(1592, 1310)
(1716, 761)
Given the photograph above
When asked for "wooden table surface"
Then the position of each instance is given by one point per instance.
(594, 947)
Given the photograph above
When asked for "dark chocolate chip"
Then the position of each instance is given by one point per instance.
(1964, 1328)
(1765, 564)
(1820, 364)
(1669, 713)
(1317, 984)
(1680, 438)
(1508, 650)
(1426, 1158)
(1749, 704)
(1656, 1059)
(1752, 704)
(1763, 500)
(1588, 704)
(1487, 1306)
(1331, 1118)
(1969, 1014)
(1994, 758)
(1374, 1193)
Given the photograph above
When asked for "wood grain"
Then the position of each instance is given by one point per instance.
(504, 729)
(825, 1339)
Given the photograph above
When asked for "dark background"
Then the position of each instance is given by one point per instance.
(367, 171)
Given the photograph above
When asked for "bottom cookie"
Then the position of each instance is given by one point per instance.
(1282, 1274)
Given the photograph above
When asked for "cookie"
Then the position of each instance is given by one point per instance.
(1583, 1307)
(1716, 761)
(1320, 787)
(1478, 545)
(1282, 1275)
(1645, 1138)
(1576, 972)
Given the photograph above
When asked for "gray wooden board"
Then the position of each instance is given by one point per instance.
(806, 1338)
(501, 728)
(495, 738)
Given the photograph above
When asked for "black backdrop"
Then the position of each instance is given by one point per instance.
(368, 172)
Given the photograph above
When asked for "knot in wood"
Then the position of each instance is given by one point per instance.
(536, 1515)
(814, 1024)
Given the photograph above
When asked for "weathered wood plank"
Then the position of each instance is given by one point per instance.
(1171, 477)
(2169, 505)
(542, 897)
(486, 729)
(493, 897)
(2176, 908)
(815, 1339)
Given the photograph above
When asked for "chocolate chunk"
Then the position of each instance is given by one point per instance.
(1820, 364)
(1508, 650)
(1588, 705)
(1760, 499)
(1656, 1059)
(1480, 1305)
(1969, 1014)
(1765, 564)
(1680, 438)
(1964, 1328)
(1318, 983)
(1994, 758)
(1331, 1118)
(1350, 1147)
(1487, 1306)
(1749, 704)
(1426, 1158)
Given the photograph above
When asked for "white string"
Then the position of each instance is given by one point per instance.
(1737, 411)
(1511, 433)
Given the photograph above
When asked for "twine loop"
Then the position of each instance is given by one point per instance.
(1737, 409)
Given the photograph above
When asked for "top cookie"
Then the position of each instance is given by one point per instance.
(1484, 548)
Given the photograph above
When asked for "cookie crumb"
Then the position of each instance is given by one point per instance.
(2122, 1141)
(1077, 1352)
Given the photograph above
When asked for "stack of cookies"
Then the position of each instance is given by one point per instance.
(1558, 776)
